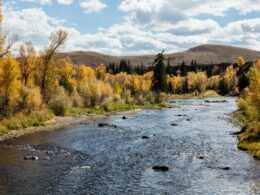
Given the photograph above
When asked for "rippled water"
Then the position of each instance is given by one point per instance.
(88, 159)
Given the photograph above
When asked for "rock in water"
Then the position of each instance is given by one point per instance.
(102, 124)
(174, 125)
(31, 158)
(145, 137)
(160, 168)
(124, 117)
(224, 168)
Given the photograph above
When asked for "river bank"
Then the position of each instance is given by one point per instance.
(63, 122)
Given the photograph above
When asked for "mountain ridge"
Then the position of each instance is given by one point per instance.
(203, 54)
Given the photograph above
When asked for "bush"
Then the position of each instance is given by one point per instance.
(59, 103)
(21, 120)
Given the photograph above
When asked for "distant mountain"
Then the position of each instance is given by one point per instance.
(203, 54)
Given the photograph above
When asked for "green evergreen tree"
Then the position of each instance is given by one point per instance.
(159, 77)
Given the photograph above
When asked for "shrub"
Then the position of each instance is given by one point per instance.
(59, 102)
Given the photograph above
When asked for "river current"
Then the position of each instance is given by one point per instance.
(194, 140)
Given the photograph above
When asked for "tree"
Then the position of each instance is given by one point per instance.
(101, 71)
(9, 85)
(231, 81)
(57, 40)
(27, 60)
(159, 78)
(241, 61)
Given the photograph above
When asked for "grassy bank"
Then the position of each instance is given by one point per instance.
(249, 137)
(23, 121)
(207, 94)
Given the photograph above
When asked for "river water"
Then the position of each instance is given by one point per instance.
(199, 150)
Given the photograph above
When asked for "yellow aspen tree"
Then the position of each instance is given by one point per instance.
(27, 60)
(214, 82)
(201, 81)
(57, 39)
(231, 80)
(10, 84)
(241, 61)
(101, 71)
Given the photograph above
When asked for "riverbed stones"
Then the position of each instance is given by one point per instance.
(31, 158)
(106, 125)
(216, 101)
(161, 168)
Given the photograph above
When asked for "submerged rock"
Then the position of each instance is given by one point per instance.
(174, 125)
(145, 137)
(124, 117)
(201, 157)
(31, 158)
(160, 168)
(224, 168)
(102, 124)
(106, 125)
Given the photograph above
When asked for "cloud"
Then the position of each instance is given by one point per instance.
(91, 6)
(65, 2)
(190, 7)
(135, 36)
(42, 2)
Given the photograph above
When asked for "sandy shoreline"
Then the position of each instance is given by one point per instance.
(63, 122)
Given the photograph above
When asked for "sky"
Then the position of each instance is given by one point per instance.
(135, 27)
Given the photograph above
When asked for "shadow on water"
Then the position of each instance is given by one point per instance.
(199, 151)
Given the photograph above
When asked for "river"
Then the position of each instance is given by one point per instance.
(194, 140)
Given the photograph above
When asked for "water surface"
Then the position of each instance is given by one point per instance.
(88, 159)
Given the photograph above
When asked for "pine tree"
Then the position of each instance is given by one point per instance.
(159, 78)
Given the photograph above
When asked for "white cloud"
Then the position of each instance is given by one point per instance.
(190, 7)
(91, 6)
(65, 2)
(133, 36)
(42, 2)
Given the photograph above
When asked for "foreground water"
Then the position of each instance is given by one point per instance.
(200, 152)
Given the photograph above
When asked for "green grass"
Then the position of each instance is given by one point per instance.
(206, 94)
(113, 108)
(22, 121)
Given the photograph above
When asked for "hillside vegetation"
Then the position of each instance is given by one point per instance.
(249, 113)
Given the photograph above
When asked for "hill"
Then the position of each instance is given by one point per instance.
(203, 54)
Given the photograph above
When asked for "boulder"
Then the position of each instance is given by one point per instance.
(31, 158)
(160, 168)
(124, 117)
